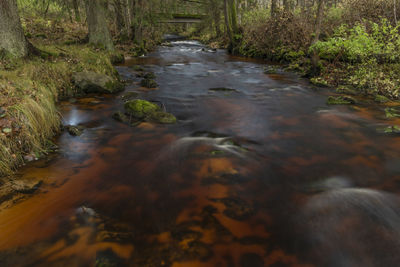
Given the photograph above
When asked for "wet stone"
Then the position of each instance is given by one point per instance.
(148, 83)
(130, 95)
(222, 89)
(25, 187)
(236, 208)
(393, 112)
(74, 130)
(224, 179)
(341, 100)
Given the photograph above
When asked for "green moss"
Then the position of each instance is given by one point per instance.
(162, 117)
(130, 95)
(149, 83)
(141, 109)
(392, 112)
(319, 81)
(390, 130)
(381, 99)
(346, 90)
(117, 58)
(271, 70)
(136, 68)
(341, 100)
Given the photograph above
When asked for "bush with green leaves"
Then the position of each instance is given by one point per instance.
(364, 41)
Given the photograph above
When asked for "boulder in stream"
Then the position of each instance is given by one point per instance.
(341, 100)
(146, 111)
(92, 82)
(148, 83)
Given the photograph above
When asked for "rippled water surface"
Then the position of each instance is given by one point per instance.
(265, 174)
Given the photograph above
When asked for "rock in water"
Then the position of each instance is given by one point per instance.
(140, 109)
(147, 111)
(91, 82)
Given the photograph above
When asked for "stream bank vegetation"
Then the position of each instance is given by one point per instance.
(352, 45)
(44, 44)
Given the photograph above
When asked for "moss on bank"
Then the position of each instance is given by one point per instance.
(29, 91)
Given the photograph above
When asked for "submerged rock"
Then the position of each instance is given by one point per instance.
(91, 82)
(130, 95)
(148, 83)
(162, 117)
(136, 68)
(121, 117)
(319, 81)
(222, 89)
(26, 187)
(341, 100)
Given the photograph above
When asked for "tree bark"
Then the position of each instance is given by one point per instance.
(12, 38)
(317, 33)
(76, 10)
(99, 34)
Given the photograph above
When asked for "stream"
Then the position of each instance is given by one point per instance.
(258, 171)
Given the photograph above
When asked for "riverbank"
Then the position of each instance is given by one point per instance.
(352, 58)
(30, 89)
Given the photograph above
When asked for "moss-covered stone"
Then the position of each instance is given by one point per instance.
(162, 117)
(393, 112)
(346, 90)
(341, 100)
(390, 130)
(271, 70)
(141, 109)
(74, 130)
(381, 99)
(319, 81)
(121, 117)
(91, 82)
(130, 95)
(136, 68)
(149, 83)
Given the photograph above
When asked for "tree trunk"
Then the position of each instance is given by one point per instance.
(119, 17)
(99, 34)
(273, 8)
(318, 22)
(12, 38)
(76, 10)
(227, 22)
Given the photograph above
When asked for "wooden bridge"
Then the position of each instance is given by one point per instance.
(184, 18)
(185, 11)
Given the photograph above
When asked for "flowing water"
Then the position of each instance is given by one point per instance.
(265, 174)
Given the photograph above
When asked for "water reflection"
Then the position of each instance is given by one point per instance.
(258, 171)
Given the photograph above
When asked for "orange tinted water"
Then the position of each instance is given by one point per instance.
(266, 175)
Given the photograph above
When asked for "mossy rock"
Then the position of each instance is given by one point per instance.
(319, 81)
(141, 109)
(74, 130)
(270, 70)
(381, 99)
(130, 95)
(91, 82)
(346, 90)
(121, 117)
(149, 75)
(117, 58)
(162, 117)
(390, 130)
(136, 68)
(392, 112)
(222, 89)
(149, 83)
(341, 100)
